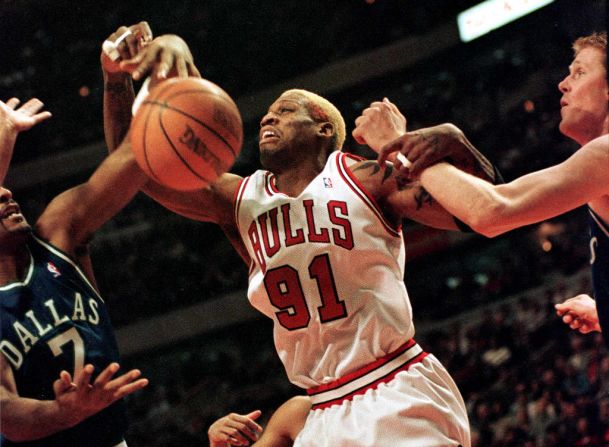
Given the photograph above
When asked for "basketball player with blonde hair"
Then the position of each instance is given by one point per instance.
(321, 232)
(581, 179)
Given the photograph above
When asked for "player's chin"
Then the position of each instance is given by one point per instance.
(16, 232)
(268, 157)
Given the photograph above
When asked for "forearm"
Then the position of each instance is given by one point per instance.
(494, 209)
(8, 137)
(118, 98)
(26, 419)
(471, 200)
(472, 161)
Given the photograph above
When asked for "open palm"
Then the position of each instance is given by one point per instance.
(24, 117)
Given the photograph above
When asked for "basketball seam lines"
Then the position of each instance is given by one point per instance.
(166, 106)
(196, 174)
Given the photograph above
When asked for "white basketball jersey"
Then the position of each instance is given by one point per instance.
(328, 269)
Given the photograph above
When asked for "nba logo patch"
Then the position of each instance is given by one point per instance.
(54, 270)
(327, 182)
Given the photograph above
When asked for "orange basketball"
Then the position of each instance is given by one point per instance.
(186, 133)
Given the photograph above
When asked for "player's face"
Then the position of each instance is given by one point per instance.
(12, 222)
(584, 103)
(285, 130)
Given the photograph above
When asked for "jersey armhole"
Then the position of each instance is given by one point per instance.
(237, 198)
(344, 162)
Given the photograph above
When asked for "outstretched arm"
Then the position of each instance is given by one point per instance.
(71, 218)
(281, 430)
(286, 423)
(14, 120)
(24, 419)
(138, 55)
(494, 209)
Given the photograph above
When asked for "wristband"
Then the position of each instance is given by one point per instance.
(141, 96)
(111, 48)
(405, 162)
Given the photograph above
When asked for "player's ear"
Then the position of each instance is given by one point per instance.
(326, 129)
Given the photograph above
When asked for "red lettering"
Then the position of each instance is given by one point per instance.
(347, 240)
(290, 239)
(255, 241)
(270, 250)
(313, 235)
(285, 293)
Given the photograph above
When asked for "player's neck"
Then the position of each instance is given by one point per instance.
(293, 181)
(14, 264)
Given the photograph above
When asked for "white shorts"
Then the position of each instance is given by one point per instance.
(404, 400)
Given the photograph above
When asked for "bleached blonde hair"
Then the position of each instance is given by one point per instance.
(321, 110)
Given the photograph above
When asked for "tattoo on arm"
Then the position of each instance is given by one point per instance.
(422, 197)
(369, 164)
(376, 168)
(117, 87)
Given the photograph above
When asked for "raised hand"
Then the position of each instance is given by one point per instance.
(579, 313)
(22, 118)
(379, 124)
(235, 429)
(167, 55)
(124, 44)
(79, 399)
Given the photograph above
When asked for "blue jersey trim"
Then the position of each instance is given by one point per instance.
(27, 279)
(599, 222)
(65, 257)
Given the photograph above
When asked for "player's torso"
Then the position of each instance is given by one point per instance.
(328, 269)
(52, 321)
(599, 260)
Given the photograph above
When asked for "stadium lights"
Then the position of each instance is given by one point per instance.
(492, 14)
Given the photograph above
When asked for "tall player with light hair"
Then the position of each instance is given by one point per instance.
(581, 179)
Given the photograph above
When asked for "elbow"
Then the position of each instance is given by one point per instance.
(13, 432)
(488, 220)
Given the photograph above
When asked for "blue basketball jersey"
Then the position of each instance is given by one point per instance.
(56, 320)
(599, 259)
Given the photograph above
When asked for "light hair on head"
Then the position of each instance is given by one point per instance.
(321, 109)
(595, 40)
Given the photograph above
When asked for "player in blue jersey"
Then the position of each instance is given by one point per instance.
(60, 383)
(494, 209)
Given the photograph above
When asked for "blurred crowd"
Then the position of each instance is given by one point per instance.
(528, 381)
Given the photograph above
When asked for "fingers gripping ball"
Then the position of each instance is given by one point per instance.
(186, 133)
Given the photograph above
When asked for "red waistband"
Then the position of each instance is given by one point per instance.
(368, 377)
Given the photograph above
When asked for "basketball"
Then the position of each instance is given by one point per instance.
(186, 133)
